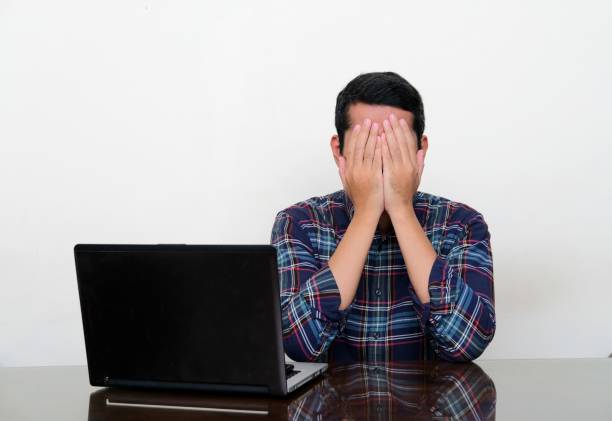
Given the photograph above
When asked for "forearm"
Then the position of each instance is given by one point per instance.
(417, 251)
(309, 294)
(349, 257)
(460, 315)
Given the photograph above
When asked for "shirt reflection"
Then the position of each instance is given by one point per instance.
(386, 392)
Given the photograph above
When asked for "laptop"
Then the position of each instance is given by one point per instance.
(194, 317)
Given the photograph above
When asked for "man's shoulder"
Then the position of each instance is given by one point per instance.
(443, 207)
(314, 208)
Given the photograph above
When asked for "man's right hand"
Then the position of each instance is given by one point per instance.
(360, 168)
(362, 178)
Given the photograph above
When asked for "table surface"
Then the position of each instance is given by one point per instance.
(559, 389)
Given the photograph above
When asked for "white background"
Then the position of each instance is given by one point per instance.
(195, 122)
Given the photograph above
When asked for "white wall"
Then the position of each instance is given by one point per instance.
(195, 122)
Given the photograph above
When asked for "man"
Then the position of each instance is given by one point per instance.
(380, 271)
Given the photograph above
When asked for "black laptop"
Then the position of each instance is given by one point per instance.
(175, 316)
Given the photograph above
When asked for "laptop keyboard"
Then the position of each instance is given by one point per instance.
(289, 371)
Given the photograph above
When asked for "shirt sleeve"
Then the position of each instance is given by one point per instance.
(460, 316)
(308, 291)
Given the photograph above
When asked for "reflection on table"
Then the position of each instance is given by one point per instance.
(350, 392)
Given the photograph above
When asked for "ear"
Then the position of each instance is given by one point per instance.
(424, 144)
(335, 147)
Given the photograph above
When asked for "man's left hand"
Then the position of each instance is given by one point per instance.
(402, 165)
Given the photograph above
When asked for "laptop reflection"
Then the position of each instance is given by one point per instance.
(151, 404)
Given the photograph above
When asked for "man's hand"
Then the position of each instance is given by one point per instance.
(361, 174)
(402, 170)
(361, 169)
(402, 165)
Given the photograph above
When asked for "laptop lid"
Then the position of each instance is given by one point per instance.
(201, 317)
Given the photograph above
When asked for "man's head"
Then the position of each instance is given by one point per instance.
(375, 95)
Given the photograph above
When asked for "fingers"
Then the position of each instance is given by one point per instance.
(394, 144)
(398, 142)
(370, 147)
(349, 142)
(402, 138)
(386, 153)
(410, 136)
(378, 154)
(360, 142)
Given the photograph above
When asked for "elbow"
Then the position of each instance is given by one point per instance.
(305, 335)
(469, 344)
(297, 350)
(462, 354)
(299, 345)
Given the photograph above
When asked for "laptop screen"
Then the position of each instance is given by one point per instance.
(180, 314)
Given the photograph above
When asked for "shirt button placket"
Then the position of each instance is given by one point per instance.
(376, 350)
(378, 291)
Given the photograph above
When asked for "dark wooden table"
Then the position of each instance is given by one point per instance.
(489, 389)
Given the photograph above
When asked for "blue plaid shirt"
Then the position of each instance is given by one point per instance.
(386, 321)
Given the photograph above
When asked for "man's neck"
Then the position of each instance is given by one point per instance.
(384, 224)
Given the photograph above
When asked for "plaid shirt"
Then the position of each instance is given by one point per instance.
(386, 321)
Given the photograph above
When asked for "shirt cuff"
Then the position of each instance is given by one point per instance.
(435, 278)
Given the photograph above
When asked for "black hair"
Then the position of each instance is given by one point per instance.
(379, 88)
